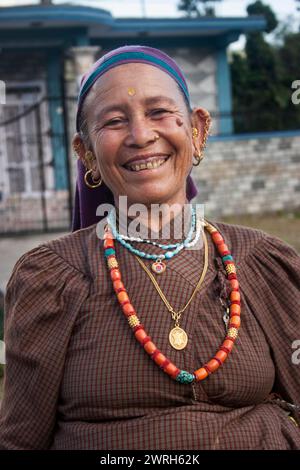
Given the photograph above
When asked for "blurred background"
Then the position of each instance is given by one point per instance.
(241, 61)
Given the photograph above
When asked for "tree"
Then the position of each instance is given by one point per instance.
(257, 93)
(289, 54)
(259, 8)
(262, 79)
(197, 8)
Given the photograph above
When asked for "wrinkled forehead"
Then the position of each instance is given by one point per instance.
(133, 81)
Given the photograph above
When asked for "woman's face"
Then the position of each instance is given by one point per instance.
(125, 109)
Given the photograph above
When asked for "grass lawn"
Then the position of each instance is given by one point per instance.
(284, 226)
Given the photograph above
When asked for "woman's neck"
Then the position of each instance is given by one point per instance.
(161, 222)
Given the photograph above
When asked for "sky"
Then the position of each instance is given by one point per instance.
(163, 8)
(168, 8)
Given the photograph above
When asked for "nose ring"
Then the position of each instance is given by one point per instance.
(156, 137)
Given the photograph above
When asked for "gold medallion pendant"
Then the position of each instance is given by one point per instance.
(178, 338)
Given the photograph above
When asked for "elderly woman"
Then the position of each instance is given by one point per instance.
(122, 342)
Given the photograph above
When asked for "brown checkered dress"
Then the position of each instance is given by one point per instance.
(76, 378)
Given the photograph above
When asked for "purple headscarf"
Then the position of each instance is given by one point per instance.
(86, 199)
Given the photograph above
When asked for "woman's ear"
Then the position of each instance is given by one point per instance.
(79, 147)
(201, 121)
(85, 155)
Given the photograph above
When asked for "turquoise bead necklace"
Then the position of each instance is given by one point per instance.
(158, 266)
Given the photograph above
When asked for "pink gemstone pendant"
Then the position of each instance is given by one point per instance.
(158, 267)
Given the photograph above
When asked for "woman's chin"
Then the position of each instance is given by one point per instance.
(151, 196)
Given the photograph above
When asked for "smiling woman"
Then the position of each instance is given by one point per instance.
(221, 302)
(151, 127)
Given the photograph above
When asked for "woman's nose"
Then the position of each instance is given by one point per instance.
(140, 133)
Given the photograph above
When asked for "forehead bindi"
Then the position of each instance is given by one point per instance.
(130, 85)
(135, 79)
(131, 91)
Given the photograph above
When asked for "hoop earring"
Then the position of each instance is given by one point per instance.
(92, 186)
(199, 157)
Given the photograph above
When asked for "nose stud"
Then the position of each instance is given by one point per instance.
(156, 137)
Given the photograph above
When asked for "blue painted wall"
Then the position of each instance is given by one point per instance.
(56, 119)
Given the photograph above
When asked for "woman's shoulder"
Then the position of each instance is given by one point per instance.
(244, 241)
(67, 252)
(240, 233)
(74, 247)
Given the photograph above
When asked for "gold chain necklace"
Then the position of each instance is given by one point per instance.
(178, 337)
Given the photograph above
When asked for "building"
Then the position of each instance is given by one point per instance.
(44, 50)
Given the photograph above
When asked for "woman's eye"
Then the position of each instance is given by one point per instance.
(159, 112)
(114, 122)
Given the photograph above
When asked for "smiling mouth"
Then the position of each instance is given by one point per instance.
(150, 164)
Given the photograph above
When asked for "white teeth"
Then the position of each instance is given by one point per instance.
(148, 165)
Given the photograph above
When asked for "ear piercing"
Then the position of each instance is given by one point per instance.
(89, 157)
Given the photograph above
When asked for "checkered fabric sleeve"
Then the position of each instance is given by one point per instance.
(40, 310)
(274, 298)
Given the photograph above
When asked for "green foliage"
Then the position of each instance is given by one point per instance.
(259, 8)
(197, 8)
(262, 80)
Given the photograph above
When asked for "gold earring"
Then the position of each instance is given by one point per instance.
(92, 186)
(206, 131)
(90, 157)
(199, 157)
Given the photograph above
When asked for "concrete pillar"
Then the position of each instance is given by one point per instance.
(78, 61)
(84, 57)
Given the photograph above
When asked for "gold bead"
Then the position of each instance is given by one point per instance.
(210, 228)
(232, 333)
(112, 263)
(133, 321)
(230, 269)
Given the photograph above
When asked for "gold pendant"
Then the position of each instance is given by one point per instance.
(178, 338)
(158, 266)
